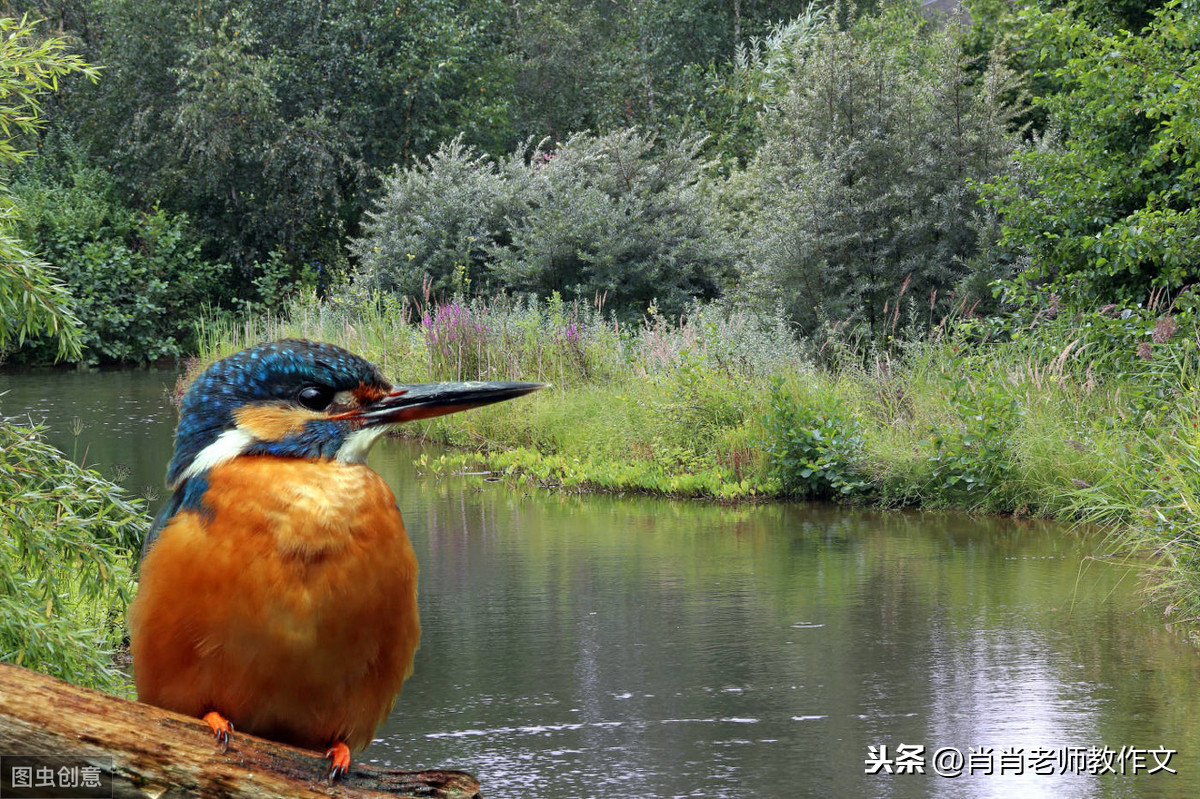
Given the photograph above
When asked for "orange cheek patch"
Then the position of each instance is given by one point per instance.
(272, 422)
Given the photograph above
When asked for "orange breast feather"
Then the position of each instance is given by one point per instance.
(290, 607)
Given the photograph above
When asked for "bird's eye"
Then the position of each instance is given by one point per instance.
(316, 398)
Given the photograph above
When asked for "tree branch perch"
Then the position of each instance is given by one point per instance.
(154, 753)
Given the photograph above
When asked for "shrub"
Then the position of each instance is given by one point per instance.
(32, 300)
(617, 216)
(69, 538)
(1150, 350)
(435, 224)
(1106, 208)
(756, 80)
(814, 446)
(972, 461)
(723, 336)
(137, 279)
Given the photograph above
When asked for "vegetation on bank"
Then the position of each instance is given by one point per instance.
(207, 173)
(65, 561)
(1079, 416)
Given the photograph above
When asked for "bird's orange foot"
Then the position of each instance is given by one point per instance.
(341, 760)
(221, 727)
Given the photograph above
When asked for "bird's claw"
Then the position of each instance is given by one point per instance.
(222, 727)
(340, 753)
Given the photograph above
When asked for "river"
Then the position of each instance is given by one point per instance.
(600, 646)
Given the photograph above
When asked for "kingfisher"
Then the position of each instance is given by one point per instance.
(278, 588)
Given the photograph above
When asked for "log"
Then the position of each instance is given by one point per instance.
(150, 753)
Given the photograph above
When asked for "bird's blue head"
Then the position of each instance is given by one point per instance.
(303, 399)
(280, 398)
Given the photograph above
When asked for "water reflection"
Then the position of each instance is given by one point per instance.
(605, 647)
(597, 646)
(124, 418)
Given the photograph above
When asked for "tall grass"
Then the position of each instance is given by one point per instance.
(568, 343)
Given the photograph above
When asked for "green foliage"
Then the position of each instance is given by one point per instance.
(814, 446)
(65, 533)
(65, 554)
(522, 467)
(433, 225)
(612, 218)
(956, 421)
(1118, 341)
(756, 81)
(1148, 499)
(266, 122)
(863, 187)
(972, 461)
(666, 406)
(1107, 207)
(599, 216)
(137, 280)
(32, 300)
(597, 65)
(565, 77)
(271, 124)
(33, 65)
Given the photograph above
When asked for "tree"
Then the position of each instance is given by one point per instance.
(864, 186)
(623, 216)
(1107, 206)
(600, 65)
(756, 80)
(67, 532)
(32, 301)
(269, 123)
(435, 224)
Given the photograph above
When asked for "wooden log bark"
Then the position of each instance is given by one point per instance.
(152, 753)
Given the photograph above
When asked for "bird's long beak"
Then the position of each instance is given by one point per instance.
(426, 400)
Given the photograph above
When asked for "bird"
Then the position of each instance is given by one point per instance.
(277, 587)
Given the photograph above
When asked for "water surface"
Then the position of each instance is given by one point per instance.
(630, 647)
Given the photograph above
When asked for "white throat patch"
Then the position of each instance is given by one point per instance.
(228, 446)
(356, 446)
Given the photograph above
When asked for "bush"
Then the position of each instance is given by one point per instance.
(69, 540)
(32, 300)
(972, 461)
(1106, 207)
(757, 80)
(615, 216)
(814, 446)
(436, 223)
(612, 216)
(1151, 350)
(138, 279)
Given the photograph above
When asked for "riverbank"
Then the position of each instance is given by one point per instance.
(1088, 418)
